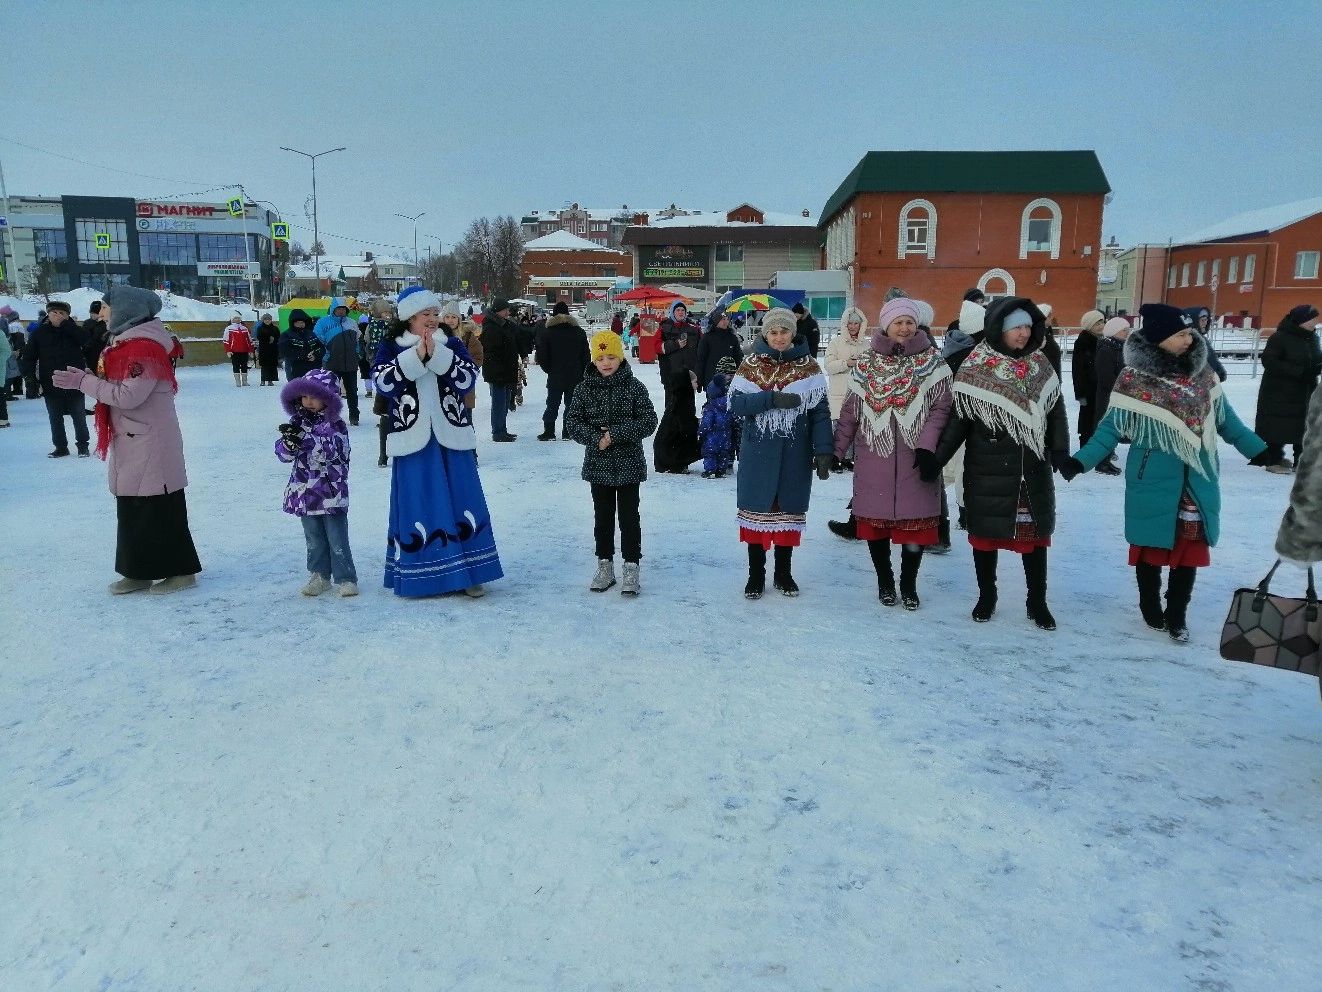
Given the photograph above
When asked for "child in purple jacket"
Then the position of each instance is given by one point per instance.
(316, 441)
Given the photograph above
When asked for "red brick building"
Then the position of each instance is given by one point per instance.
(936, 224)
(564, 267)
(1257, 264)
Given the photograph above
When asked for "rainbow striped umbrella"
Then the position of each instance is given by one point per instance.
(752, 301)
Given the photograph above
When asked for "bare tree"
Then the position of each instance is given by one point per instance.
(508, 254)
(490, 253)
(40, 279)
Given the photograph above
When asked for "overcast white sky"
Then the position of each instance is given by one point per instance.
(1197, 111)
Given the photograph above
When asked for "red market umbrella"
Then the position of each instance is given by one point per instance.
(646, 294)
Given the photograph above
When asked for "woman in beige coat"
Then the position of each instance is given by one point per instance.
(842, 354)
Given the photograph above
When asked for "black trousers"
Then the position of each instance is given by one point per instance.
(554, 393)
(607, 502)
(1087, 422)
(239, 361)
(349, 380)
(61, 403)
(1275, 454)
(153, 540)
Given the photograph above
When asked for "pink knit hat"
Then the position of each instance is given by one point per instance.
(1114, 326)
(901, 306)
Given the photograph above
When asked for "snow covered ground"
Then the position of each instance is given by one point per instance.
(237, 788)
(175, 307)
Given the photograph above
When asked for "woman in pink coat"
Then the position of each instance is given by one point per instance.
(136, 425)
(899, 400)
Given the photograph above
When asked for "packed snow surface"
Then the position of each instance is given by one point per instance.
(238, 788)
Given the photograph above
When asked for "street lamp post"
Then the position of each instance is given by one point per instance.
(316, 231)
(416, 274)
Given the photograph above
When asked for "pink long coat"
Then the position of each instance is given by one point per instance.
(147, 449)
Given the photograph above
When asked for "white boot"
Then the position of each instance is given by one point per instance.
(238, 379)
(245, 378)
(631, 586)
(605, 577)
(317, 584)
(348, 589)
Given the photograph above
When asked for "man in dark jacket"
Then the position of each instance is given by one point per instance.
(719, 342)
(58, 343)
(300, 351)
(97, 336)
(806, 328)
(562, 353)
(679, 343)
(500, 365)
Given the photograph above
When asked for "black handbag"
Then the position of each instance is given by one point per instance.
(1275, 631)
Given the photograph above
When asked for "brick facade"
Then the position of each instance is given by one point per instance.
(605, 265)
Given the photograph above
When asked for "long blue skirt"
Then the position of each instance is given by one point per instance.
(440, 531)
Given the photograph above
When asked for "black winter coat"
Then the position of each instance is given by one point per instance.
(51, 348)
(716, 344)
(1083, 367)
(673, 357)
(1109, 361)
(301, 349)
(268, 344)
(97, 339)
(995, 466)
(806, 327)
(500, 351)
(620, 404)
(562, 351)
(1291, 363)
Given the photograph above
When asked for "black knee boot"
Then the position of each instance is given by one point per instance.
(781, 578)
(910, 559)
(1035, 576)
(848, 529)
(1149, 595)
(881, 561)
(984, 567)
(1179, 590)
(757, 572)
(942, 545)
(382, 429)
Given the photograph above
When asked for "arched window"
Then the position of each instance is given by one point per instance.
(917, 229)
(1039, 228)
(997, 283)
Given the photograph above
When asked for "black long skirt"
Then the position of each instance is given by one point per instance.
(153, 541)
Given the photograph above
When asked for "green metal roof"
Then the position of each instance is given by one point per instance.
(1034, 172)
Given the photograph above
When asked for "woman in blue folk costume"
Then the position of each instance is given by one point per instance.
(440, 537)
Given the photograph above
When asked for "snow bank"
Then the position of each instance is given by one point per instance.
(174, 307)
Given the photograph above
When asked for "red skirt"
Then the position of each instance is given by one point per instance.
(1187, 553)
(779, 538)
(920, 532)
(1019, 546)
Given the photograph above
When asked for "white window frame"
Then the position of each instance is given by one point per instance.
(1302, 272)
(902, 242)
(1200, 277)
(1054, 208)
(1216, 270)
(1001, 274)
(1184, 274)
(1232, 273)
(1170, 277)
(1250, 267)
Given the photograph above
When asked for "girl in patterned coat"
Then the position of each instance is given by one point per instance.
(316, 442)
(440, 537)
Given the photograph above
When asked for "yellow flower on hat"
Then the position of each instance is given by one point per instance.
(606, 343)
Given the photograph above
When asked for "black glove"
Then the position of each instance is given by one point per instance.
(291, 435)
(823, 463)
(1068, 468)
(785, 401)
(925, 461)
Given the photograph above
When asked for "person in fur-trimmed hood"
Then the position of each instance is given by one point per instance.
(899, 401)
(1169, 403)
(316, 441)
(1010, 420)
(562, 353)
(779, 393)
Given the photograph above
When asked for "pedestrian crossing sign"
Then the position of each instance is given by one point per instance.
(102, 240)
(279, 232)
(236, 206)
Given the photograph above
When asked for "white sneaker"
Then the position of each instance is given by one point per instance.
(631, 586)
(348, 589)
(605, 577)
(316, 585)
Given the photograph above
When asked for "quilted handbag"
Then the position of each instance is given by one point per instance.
(1276, 631)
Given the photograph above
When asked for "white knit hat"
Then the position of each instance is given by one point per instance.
(1114, 326)
(414, 300)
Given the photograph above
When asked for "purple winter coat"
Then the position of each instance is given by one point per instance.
(147, 448)
(889, 488)
(319, 483)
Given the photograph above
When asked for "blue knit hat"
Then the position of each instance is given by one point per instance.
(414, 300)
(1016, 318)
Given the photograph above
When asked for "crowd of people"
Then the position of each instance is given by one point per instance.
(984, 413)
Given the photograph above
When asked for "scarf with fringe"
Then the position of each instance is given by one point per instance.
(1175, 414)
(801, 376)
(128, 359)
(896, 393)
(1008, 394)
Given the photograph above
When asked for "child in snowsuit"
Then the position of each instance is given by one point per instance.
(716, 432)
(610, 415)
(316, 441)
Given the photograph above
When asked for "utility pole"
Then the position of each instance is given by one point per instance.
(316, 230)
(416, 274)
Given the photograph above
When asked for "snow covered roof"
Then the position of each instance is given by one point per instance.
(564, 241)
(716, 218)
(1257, 221)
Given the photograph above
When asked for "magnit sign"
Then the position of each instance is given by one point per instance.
(153, 216)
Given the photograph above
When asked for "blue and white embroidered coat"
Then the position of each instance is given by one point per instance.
(426, 400)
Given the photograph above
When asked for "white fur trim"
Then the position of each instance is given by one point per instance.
(415, 303)
(431, 418)
(781, 422)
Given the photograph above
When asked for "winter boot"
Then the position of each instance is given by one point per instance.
(910, 560)
(245, 378)
(1035, 576)
(546, 435)
(848, 529)
(124, 586)
(347, 589)
(175, 583)
(984, 567)
(757, 572)
(1179, 590)
(605, 577)
(942, 545)
(631, 586)
(881, 561)
(238, 379)
(475, 591)
(781, 578)
(83, 451)
(382, 429)
(59, 453)
(1149, 595)
(317, 584)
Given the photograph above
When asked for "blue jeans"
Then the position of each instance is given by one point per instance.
(61, 403)
(329, 554)
(500, 409)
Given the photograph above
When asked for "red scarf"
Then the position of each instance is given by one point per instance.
(128, 360)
